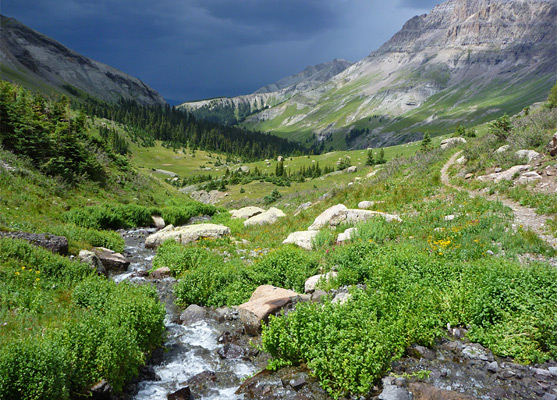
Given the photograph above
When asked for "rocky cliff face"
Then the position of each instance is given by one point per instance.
(467, 61)
(234, 109)
(34, 60)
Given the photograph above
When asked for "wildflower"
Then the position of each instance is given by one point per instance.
(37, 272)
(22, 267)
(38, 279)
(17, 272)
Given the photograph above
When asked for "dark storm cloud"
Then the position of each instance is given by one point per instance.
(189, 49)
(420, 4)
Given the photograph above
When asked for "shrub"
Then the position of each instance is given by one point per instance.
(287, 267)
(109, 216)
(33, 369)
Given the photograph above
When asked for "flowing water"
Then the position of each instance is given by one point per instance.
(189, 350)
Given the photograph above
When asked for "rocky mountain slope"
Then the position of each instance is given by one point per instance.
(234, 109)
(38, 62)
(467, 61)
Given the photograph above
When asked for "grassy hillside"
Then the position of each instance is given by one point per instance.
(452, 260)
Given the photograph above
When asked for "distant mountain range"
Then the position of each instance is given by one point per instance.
(40, 63)
(467, 61)
(232, 110)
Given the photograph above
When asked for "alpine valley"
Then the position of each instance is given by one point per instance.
(466, 62)
(378, 230)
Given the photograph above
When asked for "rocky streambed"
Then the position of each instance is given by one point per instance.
(208, 355)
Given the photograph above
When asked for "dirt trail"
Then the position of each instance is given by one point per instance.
(524, 216)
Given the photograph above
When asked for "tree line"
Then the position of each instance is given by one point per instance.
(178, 128)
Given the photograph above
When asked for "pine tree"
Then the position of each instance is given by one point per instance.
(426, 142)
(370, 159)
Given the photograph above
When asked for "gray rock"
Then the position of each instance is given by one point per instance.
(493, 367)
(56, 244)
(312, 282)
(353, 216)
(303, 239)
(528, 177)
(318, 295)
(90, 258)
(341, 298)
(549, 396)
(507, 175)
(528, 154)
(267, 218)
(393, 392)
(446, 143)
(110, 259)
(193, 314)
(246, 212)
(186, 234)
(352, 169)
(158, 221)
(181, 394)
(502, 149)
(553, 370)
(326, 216)
(346, 235)
(231, 351)
(298, 383)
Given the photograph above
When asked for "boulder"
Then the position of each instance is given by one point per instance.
(506, 175)
(529, 154)
(161, 273)
(528, 177)
(368, 204)
(158, 221)
(552, 146)
(303, 239)
(325, 217)
(445, 143)
(502, 149)
(268, 217)
(341, 298)
(56, 244)
(244, 169)
(312, 281)
(353, 216)
(280, 158)
(461, 160)
(111, 260)
(90, 258)
(352, 169)
(186, 234)
(346, 235)
(264, 301)
(181, 394)
(193, 314)
(246, 212)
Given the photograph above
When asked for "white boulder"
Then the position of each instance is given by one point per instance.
(303, 239)
(246, 212)
(186, 234)
(268, 217)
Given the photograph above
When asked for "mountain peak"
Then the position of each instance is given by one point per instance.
(42, 60)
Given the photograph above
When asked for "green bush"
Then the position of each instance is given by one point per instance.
(288, 267)
(111, 216)
(33, 369)
(411, 295)
(180, 258)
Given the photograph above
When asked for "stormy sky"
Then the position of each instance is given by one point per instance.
(194, 49)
